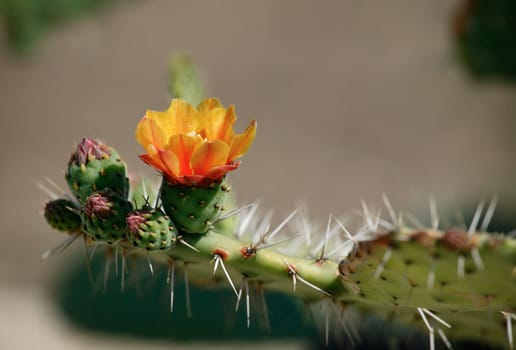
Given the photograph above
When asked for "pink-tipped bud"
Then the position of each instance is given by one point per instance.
(94, 166)
(133, 220)
(98, 205)
(103, 216)
(89, 147)
(149, 229)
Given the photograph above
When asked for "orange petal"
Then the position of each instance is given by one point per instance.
(171, 163)
(242, 142)
(209, 155)
(221, 171)
(183, 146)
(158, 165)
(152, 157)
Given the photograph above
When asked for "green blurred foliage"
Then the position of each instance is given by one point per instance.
(184, 79)
(143, 310)
(25, 21)
(485, 32)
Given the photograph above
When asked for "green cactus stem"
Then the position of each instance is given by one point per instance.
(395, 273)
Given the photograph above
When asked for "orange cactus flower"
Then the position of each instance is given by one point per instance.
(193, 146)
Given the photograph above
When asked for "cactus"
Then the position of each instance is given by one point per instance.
(455, 283)
(93, 167)
(150, 229)
(193, 209)
(63, 215)
(104, 216)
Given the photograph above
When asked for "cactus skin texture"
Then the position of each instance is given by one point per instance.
(63, 215)
(394, 287)
(104, 216)
(95, 166)
(150, 229)
(194, 209)
(423, 271)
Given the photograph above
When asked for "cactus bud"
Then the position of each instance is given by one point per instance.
(95, 166)
(103, 216)
(62, 215)
(150, 229)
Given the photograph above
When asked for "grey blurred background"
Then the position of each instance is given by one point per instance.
(353, 99)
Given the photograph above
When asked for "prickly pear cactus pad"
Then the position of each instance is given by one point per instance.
(453, 282)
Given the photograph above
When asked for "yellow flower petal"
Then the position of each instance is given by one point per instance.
(211, 115)
(219, 124)
(148, 132)
(183, 116)
(209, 104)
(190, 144)
(180, 117)
(208, 156)
(242, 142)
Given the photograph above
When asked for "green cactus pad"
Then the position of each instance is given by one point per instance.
(95, 167)
(193, 209)
(103, 216)
(150, 229)
(62, 214)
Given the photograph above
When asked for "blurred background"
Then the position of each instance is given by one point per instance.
(353, 99)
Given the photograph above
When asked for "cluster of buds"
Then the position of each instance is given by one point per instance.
(193, 148)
